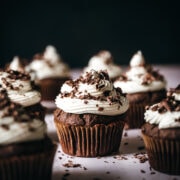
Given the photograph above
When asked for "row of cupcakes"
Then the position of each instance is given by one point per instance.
(90, 117)
(91, 114)
(141, 83)
(49, 66)
(26, 151)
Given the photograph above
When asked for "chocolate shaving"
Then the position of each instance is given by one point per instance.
(168, 104)
(71, 165)
(90, 78)
(5, 126)
(142, 156)
(100, 109)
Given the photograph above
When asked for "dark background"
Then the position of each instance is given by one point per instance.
(79, 29)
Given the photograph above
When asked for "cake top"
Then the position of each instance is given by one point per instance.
(103, 60)
(166, 114)
(48, 64)
(140, 77)
(19, 87)
(93, 92)
(16, 125)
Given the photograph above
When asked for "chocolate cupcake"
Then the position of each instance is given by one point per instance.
(161, 133)
(90, 115)
(103, 60)
(25, 150)
(49, 72)
(143, 86)
(21, 90)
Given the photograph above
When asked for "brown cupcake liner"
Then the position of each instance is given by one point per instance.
(135, 116)
(164, 154)
(28, 167)
(86, 141)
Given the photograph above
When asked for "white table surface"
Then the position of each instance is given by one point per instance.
(123, 165)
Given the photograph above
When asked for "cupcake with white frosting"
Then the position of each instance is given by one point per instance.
(90, 115)
(161, 133)
(25, 149)
(49, 72)
(143, 86)
(21, 90)
(103, 60)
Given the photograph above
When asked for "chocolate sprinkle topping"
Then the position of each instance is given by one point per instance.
(18, 75)
(91, 80)
(168, 104)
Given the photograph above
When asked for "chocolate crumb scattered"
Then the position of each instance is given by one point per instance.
(67, 174)
(125, 134)
(143, 171)
(106, 161)
(120, 157)
(60, 157)
(107, 172)
(71, 165)
(142, 156)
(153, 172)
(85, 168)
(126, 143)
(141, 148)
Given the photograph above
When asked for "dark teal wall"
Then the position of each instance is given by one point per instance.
(79, 29)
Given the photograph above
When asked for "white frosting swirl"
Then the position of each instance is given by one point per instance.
(176, 96)
(20, 131)
(166, 114)
(137, 60)
(89, 96)
(164, 120)
(19, 91)
(49, 65)
(16, 64)
(103, 61)
(140, 78)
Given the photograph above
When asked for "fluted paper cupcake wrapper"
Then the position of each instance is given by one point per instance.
(98, 140)
(135, 116)
(28, 167)
(164, 155)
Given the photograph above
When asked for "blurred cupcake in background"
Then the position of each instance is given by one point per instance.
(143, 86)
(26, 152)
(161, 133)
(49, 72)
(17, 64)
(103, 60)
(21, 90)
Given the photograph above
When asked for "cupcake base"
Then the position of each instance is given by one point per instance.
(164, 154)
(135, 116)
(90, 141)
(32, 166)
